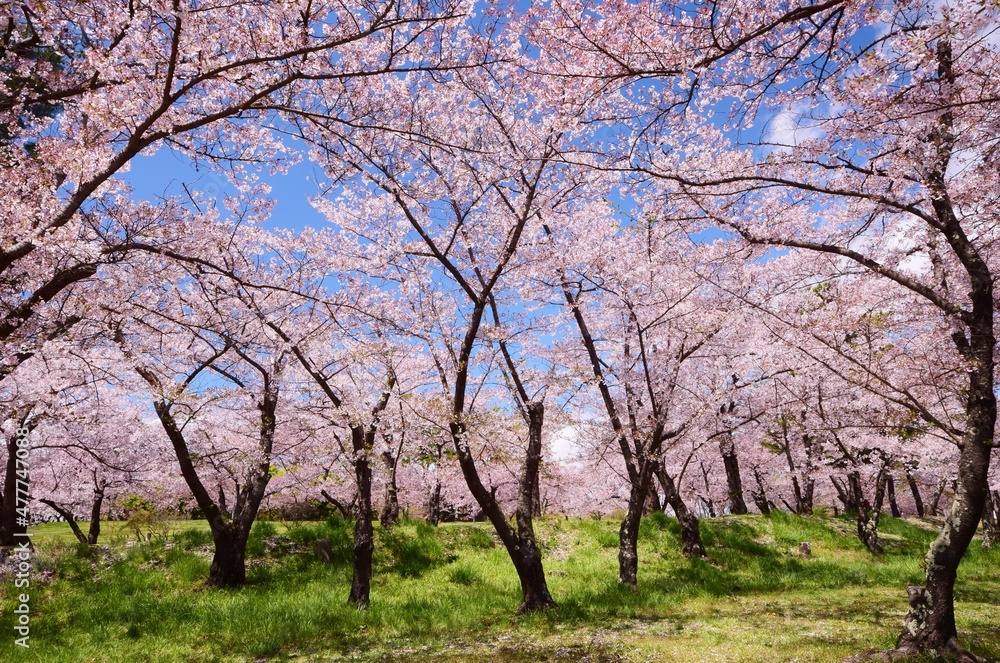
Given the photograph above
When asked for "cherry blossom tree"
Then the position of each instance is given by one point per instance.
(89, 87)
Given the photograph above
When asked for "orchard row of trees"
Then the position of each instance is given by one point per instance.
(581, 257)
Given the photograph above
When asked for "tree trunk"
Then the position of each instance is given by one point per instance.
(68, 516)
(915, 489)
(803, 496)
(759, 496)
(229, 561)
(364, 535)
(991, 520)
(868, 515)
(737, 505)
(434, 505)
(628, 533)
(534, 589)
(523, 552)
(537, 497)
(936, 497)
(691, 544)
(10, 527)
(890, 487)
(930, 623)
(849, 492)
(652, 504)
(390, 510)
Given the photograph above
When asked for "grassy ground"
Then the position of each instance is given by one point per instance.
(449, 594)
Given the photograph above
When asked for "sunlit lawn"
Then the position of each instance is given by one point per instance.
(449, 594)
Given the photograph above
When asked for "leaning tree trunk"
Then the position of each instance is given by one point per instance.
(918, 501)
(930, 623)
(68, 516)
(520, 543)
(759, 496)
(890, 488)
(936, 496)
(691, 544)
(737, 505)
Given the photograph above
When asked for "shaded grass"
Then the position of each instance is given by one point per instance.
(449, 594)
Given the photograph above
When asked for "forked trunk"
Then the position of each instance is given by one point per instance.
(803, 496)
(868, 516)
(628, 533)
(691, 544)
(68, 516)
(520, 543)
(229, 562)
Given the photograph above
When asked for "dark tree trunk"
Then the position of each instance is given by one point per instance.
(534, 589)
(652, 504)
(11, 529)
(915, 489)
(707, 501)
(628, 533)
(737, 505)
(868, 515)
(230, 535)
(390, 510)
(230, 531)
(691, 544)
(70, 519)
(434, 505)
(346, 510)
(520, 543)
(890, 488)
(849, 492)
(536, 503)
(364, 535)
(803, 496)
(759, 496)
(229, 561)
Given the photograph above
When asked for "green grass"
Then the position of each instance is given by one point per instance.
(449, 594)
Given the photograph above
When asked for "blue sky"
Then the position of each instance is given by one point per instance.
(167, 171)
